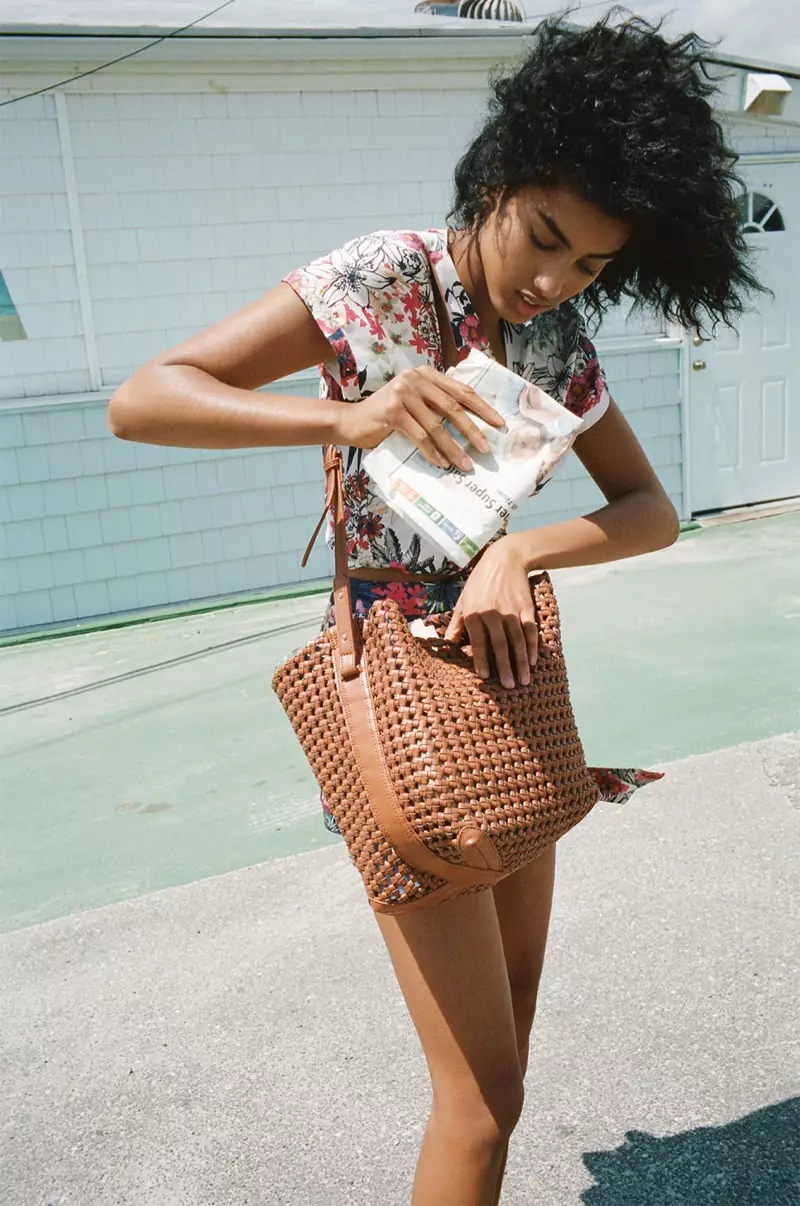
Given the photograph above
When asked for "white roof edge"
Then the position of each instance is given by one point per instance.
(445, 29)
(448, 29)
(732, 60)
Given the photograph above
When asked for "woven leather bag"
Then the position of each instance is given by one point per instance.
(441, 783)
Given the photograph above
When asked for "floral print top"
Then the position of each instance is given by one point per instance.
(373, 300)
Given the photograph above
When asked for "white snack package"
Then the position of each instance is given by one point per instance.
(461, 511)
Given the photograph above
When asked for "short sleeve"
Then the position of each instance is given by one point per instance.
(587, 393)
(315, 285)
(371, 299)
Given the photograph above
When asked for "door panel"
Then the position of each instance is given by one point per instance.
(745, 385)
(774, 416)
(728, 426)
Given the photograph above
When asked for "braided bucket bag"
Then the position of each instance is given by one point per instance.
(441, 783)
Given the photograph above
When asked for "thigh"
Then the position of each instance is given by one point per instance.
(523, 902)
(451, 967)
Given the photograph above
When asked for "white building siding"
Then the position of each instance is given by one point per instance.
(36, 257)
(192, 204)
(751, 137)
(90, 525)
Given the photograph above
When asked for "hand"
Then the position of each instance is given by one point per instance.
(496, 610)
(418, 402)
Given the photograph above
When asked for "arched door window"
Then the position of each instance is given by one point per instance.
(759, 214)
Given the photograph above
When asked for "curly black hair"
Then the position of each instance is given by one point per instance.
(620, 115)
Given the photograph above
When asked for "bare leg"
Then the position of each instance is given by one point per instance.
(451, 967)
(523, 901)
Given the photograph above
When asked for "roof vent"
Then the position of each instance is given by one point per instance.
(765, 95)
(486, 10)
(491, 10)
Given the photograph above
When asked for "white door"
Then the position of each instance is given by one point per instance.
(744, 386)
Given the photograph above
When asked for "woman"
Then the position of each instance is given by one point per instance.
(599, 174)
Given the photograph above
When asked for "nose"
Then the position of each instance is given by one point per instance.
(550, 285)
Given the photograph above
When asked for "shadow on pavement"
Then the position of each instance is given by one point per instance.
(754, 1161)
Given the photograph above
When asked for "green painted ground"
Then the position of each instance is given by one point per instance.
(135, 759)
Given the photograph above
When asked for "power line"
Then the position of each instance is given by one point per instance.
(93, 71)
(181, 660)
(197, 21)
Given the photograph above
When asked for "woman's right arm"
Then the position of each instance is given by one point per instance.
(200, 394)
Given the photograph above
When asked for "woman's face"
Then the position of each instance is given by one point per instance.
(543, 247)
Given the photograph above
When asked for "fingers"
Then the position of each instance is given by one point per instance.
(467, 397)
(408, 409)
(487, 637)
(455, 629)
(437, 438)
(455, 400)
(512, 641)
(500, 650)
(515, 635)
(427, 446)
(478, 639)
(530, 630)
(430, 400)
(449, 411)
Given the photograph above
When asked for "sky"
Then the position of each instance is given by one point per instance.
(761, 29)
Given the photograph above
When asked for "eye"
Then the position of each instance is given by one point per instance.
(590, 271)
(542, 246)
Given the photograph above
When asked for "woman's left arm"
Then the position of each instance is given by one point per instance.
(495, 606)
(638, 516)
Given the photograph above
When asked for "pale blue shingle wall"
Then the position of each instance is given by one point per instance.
(181, 229)
(91, 525)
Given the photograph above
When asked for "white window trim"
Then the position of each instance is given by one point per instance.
(78, 247)
(620, 344)
(100, 397)
(769, 157)
(686, 440)
(52, 401)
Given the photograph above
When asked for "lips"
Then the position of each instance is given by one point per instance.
(530, 304)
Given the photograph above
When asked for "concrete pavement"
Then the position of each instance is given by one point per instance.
(231, 1041)
(184, 1025)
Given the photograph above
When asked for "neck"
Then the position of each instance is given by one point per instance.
(465, 254)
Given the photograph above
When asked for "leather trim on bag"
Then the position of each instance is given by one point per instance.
(478, 849)
(366, 743)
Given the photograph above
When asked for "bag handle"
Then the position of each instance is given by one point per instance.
(347, 634)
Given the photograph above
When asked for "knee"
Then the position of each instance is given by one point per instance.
(482, 1115)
